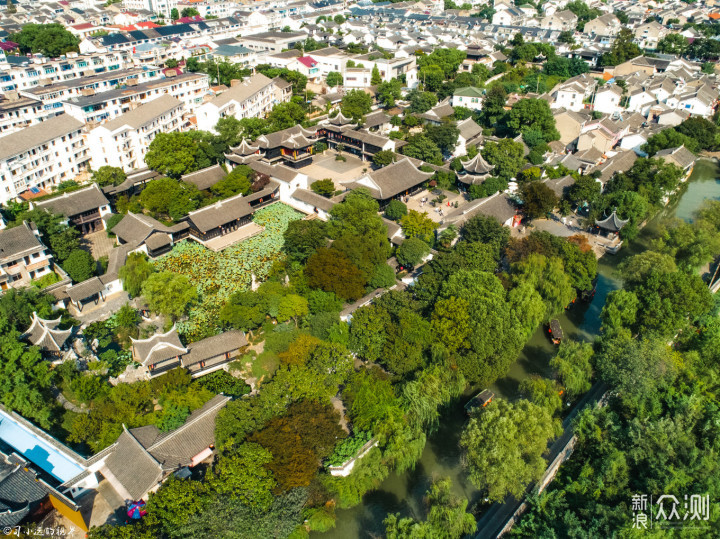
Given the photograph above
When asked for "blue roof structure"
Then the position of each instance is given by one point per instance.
(39, 448)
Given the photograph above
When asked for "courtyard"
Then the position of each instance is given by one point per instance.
(325, 166)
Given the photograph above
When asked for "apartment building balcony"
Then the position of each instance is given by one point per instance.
(38, 265)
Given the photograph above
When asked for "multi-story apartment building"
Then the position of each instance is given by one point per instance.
(273, 42)
(41, 156)
(18, 112)
(23, 257)
(156, 6)
(189, 88)
(251, 98)
(123, 142)
(22, 73)
(53, 95)
(212, 8)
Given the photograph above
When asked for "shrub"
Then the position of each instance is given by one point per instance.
(395, 210)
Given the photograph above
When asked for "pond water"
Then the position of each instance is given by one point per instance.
(403, 493)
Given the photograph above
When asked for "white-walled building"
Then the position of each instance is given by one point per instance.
(41, 156)
(123, 142)
(470, 98)
(252, 98)
(607, 99)
(41, 71)
(23, 257)
(189, 88)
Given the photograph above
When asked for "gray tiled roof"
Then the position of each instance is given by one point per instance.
(136, 227)
(560, 185)
(177, 448)
(144, 114)
(38, 134)
(228, 341)
(223, 211)
(278, 172)
(18, 240)
(19, 490)
(46, 335)
(85, 289)
(243, 91)
(69, 204)
(159, 347)
(398, 177)
(205, 178)
(309, 197)
(133, 466)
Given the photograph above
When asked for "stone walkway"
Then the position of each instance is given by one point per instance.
(325, 166)
(98, 244)
(104, 309)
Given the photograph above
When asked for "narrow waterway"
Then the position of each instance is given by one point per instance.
(403, 493)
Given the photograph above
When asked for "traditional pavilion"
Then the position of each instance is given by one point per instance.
(45, 335)
(475, 171)
(611, 225)
(244, 153)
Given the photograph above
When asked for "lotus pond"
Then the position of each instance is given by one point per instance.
(218, 275)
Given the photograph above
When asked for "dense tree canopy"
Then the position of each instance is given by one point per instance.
(52, 40)
(504, 444)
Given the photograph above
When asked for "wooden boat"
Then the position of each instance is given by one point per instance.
(481, 400)
(589, 294)
(555, 331)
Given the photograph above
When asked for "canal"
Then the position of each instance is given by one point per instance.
(403, 493)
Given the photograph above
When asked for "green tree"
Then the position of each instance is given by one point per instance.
(332, 271)
(298, 440)
(135, 272)
(543, 392)
(673, 44)
(174, 14)
(375, 77)
(243, 474)
(26, 377)
(108, 176)
(168, 293)
(383, 158)
(303, 237)
(324, 187)
(585, 190)
(286, 115)
(493, 111)
(486, 229)
(447, 517)
(573, 366)
(418, 225)
(334, 79)
(389, 92)
(189, 12)
(622, 50)
(228, 130)
(412, 251)
(535, 115)
(172, 154)
(506, 156)
(292, 307)
(538, 199)
(445, 136)
(421, 101)
(356, 104)
(166, 196)
(422, 147)
(52, 40)
(79, 265)
(504, 444)
(548, 277)
(237, 182)
(395, 210)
